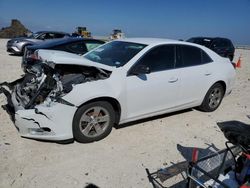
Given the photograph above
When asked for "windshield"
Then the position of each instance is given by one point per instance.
(116, 53)
(34, 35)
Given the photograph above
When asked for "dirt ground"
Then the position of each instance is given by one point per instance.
(121, 159)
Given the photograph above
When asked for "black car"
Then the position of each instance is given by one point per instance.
(222, 46)
(71, 44)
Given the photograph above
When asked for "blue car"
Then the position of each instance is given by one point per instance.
(71, 44)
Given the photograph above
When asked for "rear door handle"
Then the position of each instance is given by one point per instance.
(208, 73)
(172, 80)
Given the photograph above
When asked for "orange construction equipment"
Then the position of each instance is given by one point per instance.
(238, 64)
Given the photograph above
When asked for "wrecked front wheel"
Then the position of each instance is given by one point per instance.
(93, 121)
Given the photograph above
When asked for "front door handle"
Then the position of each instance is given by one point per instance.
(172, 80)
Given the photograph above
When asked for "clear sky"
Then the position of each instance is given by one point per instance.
(177, 19)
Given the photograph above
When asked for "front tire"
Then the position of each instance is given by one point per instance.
(93, 121)
(213, 98)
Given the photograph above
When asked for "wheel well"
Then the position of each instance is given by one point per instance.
(223, 85)
(115, 104)
(23, 47)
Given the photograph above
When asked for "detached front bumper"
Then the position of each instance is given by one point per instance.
(46, 123)
(53, 122)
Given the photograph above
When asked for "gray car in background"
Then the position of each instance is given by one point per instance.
(17, 45)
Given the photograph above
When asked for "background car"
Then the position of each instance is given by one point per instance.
(83, 97)
(17, 45)
(222, 46)
(70, 44)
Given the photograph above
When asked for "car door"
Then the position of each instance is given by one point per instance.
(156, 91)
(196, 69)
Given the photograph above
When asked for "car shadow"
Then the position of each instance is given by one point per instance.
(91, 185)
(18, 55)
(124, 125)
(61, 142)
(161, 177)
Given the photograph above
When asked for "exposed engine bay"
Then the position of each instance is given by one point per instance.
(49, 82)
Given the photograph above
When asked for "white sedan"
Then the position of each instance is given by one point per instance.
(82, 97)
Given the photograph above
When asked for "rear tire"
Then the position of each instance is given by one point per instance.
(213, 98)
(93, 121)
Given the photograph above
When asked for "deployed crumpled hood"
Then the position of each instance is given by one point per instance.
(65, 58)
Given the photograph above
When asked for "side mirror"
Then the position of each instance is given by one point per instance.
(140, 69)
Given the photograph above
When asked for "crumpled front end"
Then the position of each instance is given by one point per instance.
(36, 104)
(46, 123)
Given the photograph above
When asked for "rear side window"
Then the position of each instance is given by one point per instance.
(191, 56)
(75, 47)
(59, 35)
(220, 43)
(202, 41)
(49, 36)
(159, 58)
(78, 48)
(92, 44)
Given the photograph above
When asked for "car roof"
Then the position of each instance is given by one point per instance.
(58, 32)
(209, 38)
(153, 41)
(61, 41)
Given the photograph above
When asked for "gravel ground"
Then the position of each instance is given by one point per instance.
(121, 159)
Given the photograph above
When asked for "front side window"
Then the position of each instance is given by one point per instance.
(46, 36)
(35, 35)
(116, 53)
(158, 59)
(41, 36)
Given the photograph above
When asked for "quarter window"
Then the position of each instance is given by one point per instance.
(159, 58)
(78, 48)
(205, 57)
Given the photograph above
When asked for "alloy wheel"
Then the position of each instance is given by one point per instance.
(94, 121)
(215, 97)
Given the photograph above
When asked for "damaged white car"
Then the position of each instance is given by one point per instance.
(68, 96)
